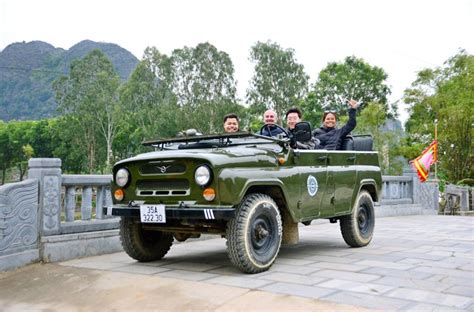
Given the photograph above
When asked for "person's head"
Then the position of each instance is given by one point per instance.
(270, 117)
(329, 119)
(231, 123)
(293, 116)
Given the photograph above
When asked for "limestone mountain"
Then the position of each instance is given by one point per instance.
(28, 69)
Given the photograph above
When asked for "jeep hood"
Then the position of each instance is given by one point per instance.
(234, 156)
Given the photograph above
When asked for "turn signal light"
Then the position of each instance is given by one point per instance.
(209, 194)
(281, 161)
(118, 194)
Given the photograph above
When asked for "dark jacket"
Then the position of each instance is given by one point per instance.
(274, 131)
(332, 138)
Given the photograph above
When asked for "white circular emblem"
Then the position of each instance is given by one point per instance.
(312, 184)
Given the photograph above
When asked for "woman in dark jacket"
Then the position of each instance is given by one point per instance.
(329, 136)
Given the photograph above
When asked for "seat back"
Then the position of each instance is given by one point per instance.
(363, 142)
(348, 143)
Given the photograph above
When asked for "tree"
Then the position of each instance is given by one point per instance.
(150, 104)
(444, 95)
(354, 78)
(373, 119)
(196, 84)
(279, 82)
(7, 151)
(89, 98)
(203, 81)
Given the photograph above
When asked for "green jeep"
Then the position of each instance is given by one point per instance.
(251, 189)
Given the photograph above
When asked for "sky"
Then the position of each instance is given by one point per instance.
(400, 36)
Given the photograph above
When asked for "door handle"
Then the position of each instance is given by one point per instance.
(351, 158)
(322, 157)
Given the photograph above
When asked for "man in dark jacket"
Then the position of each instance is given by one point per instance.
(329, 136)
(270, 129)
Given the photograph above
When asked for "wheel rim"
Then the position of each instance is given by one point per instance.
(263, 237)
(364, 220)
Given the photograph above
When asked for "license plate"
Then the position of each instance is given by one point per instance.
(152, 214)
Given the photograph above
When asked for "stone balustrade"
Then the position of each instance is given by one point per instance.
(94, 194)
(41, 218)
(397, 190)
(58, 212)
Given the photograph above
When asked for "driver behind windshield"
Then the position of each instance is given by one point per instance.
(270, 128)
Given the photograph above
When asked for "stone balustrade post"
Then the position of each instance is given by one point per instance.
(48, 173)
(415, 185)
(86, 205)
(70, 203)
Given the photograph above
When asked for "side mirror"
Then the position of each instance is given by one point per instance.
(302, 131)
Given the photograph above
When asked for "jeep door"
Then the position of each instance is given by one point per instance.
(341, 179)
(311, 165)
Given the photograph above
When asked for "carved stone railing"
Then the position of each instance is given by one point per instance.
(397, 190)
(57, 212)
(403, 195)
(50, 216)
(457, 199)
(88, 188)
(18, 224)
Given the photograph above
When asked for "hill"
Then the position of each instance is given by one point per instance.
(28, 69)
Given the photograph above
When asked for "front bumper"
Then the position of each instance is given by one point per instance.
(201, 213)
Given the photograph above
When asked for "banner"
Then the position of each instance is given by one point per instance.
(423, 162)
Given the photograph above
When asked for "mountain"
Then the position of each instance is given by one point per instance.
(28, 70)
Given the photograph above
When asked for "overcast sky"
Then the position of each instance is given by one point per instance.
(400, 36)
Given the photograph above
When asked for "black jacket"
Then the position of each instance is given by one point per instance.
(274, 131)
(332, 138)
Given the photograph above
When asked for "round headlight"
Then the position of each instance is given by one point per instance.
(202, 176)
(122, 177)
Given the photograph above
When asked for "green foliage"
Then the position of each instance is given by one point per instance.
(89, 98)
(312, 110)
(444, 94)
(386, 141)
(279, 82)
(195, 83)
(354, 78)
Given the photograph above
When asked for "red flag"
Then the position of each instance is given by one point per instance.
(423, 162)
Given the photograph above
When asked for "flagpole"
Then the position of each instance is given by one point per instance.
(436, 139)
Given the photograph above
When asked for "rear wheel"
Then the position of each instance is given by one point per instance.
(357, 229)
(143, 245)
(254, 235)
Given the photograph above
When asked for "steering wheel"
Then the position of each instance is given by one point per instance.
(269, 128)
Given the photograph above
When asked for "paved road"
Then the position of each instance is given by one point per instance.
(413, 263)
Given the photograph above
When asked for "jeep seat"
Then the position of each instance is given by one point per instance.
(362, 142)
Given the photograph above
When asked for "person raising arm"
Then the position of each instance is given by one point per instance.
(330, 137)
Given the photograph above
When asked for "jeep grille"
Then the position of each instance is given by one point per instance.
(176, 187)
(162, 168)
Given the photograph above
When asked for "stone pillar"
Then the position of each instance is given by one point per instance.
(70, 203)
(86, 206)
(415, 184)
(48, 173)
(99, 202)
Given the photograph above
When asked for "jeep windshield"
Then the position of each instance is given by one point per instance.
(213, 141)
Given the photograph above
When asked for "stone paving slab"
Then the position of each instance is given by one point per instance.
(413, 263)
(298, 290)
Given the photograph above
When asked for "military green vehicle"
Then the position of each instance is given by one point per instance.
(251, 189)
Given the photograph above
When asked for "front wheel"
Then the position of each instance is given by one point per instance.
(143, 245)
(254, 235)
(357, 229)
